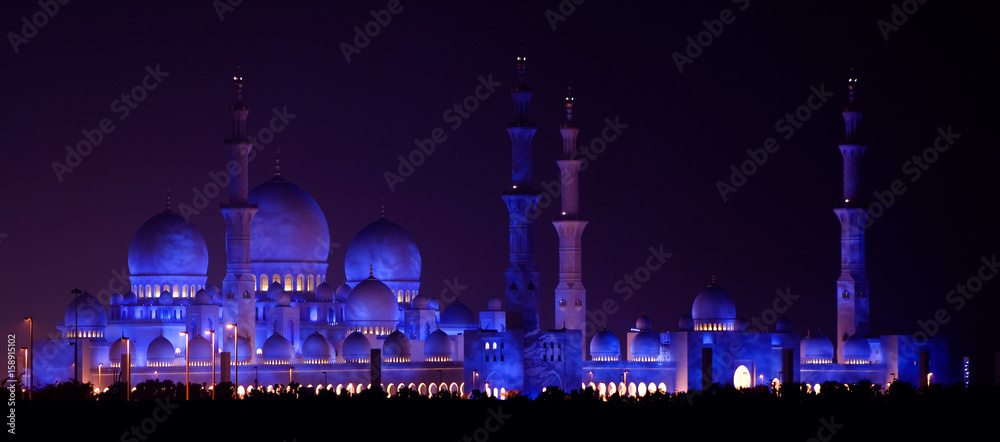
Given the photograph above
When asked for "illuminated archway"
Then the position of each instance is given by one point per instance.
(642, 389)
(742, 378)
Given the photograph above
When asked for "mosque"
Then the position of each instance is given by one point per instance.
(278, 318)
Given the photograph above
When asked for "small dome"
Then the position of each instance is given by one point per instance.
(343, 292)
(166, 298)
(856, 350)
(200, 349)
(118, 348)
(245, 350)
(130, 299)
(85, 311)
(324, 292)
(117, 299)
(356, 347)
(643, 323)
(289, 226)
(433, 304)
(167, 244)
(385, 248)
(438, 345)
(741, 325)
(458, 316)
(316, 347)
(202, 298)
(784, 325)
(278, 349)
(419, 302)
(371, 300)
(396, 345)
(686, 322)
(284, 299)
(713, 304)
(645, 345)
(605, 346)
(817, 349)
(160, 350)
(274, 290)
(494, 304)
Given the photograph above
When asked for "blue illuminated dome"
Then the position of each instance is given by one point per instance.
(438, 346)
(396, 346)
(784, 325)
(856, 350)
(324, 292)
(385, 248)
(357, 348)
(288, 227)
(714, 308)
(686, 322)
(85, 311)
(458, 316)
(118, 348)
(278, 349)
(202, 298)
(419, 302)
(645, 346)
(160, 350)
(342, 292)
(245, 350)
(643, 323)
(605, 346)
(316, 347)
(816, 349)
(370, 302)
(200, 349)
(167, 244)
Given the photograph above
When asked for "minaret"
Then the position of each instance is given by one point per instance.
(521, 199)
(238, 285)
(852, 286)
(571, 296)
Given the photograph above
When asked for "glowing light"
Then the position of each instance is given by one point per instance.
(742, 378)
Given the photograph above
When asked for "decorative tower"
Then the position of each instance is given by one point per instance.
(238, 285)
(571, 296)
(521, 200)
(852, 286)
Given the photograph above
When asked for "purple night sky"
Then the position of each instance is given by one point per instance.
(654, 186)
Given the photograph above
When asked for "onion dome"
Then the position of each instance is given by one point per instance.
(324, 292)
(419, 302)
(166, 298)
(342, 292)
(202, 298)
(274, 290)
(245, 350)
(604, 346)
(316, 348)
(371, 300)
(645, 346)
(118, 348)
(357, 348)
(117, 299)
(643, 323)
(396, 347)
(784, 325)
(199, 349)
(167, 244)
(494, 304)
(438, 346)
(289, 226)
(816, 349)
(130, 298)
(277, 350)
(85, 311)
(685, 323)
(433, 304)
(714, 308)
(458, 316)
(160, 351)
(741, 325)
(856, 350)
(284, 299)
(386, 249)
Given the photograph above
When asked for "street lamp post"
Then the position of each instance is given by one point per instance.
(236, 350)
(625, 381)
(187, 367)
(99, 367)
(31, 354)
(128, 367)
(213, 361)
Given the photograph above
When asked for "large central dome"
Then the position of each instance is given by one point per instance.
(167, 244)
(289, 226)
(385, 249)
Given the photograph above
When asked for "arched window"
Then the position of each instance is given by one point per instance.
(263, 283)
(298, 283)
(184, 291)
(177, 291)
(156, 290)
(254, 282)
(742, 378)
(310, 286)
(276, 278)
(288, 283)
(149, 291)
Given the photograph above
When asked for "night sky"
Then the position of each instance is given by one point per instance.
(654, 186)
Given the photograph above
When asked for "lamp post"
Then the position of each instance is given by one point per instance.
(213, 361)
(475, 386)
(625, 382)
(236, 350)
(31, 354)
(290, 376)
(99, 366)
(128, 367)
(187, 367)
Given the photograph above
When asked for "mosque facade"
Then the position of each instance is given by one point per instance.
(276, 319)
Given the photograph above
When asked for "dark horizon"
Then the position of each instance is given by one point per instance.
(655, 186)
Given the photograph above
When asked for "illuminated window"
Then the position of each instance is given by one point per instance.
(149, 291)
(156, 289)
(176, 291)
(263, 283)
(742, 378)
(288, 283)
(298, 283)
(255, 288)
(276, 278)
(184, 292)
(309, 281)
(846, 294)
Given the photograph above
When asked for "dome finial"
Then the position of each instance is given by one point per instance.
(569, 102)
(382, 209)
(521, 64)
(277, 162)
(238, 82)
(371, 271)
(851, 82)
(168, 197)
(712, 284)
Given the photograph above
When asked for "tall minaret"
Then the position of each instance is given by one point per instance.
(238, 285)
(571, 296)
(521, 199)
(852, 286)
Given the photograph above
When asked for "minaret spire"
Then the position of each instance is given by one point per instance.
(852, 286)
(570, 294)
(168, 198)
(277, 162)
